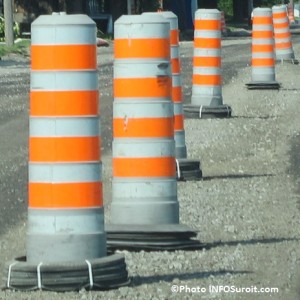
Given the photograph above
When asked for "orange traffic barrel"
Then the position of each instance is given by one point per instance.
(187, 169)
(283, 40)
(65, 202)
(290, 12)
(144, 185)
(223, 24)
(207, 98)
(263, 63)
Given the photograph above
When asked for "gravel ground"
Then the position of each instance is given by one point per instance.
(246, 207)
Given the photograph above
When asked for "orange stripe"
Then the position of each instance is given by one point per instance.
(66, 103)
(262, 21)
(282, 25)
(206, 61)
(144, 167)
(175, 64)
(279, 15)
(263, 62)
(174, 37)
(207, 24)
(63, 57)
(178, 124)
(177, 94)
(54, 149)
(283, 45)
(207, 79)
(146, 127)
(283, 35)
(262, 48)
(65, 195)
(207, 43)
(142, 87)
(262, 34)
(142, 48)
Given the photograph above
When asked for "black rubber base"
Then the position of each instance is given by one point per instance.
(263, 86)
(205, 112)
(103, 273)
(189, 169)
(166, 237)
(290, 61)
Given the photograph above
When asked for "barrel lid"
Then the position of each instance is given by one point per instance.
(279, 7)
(143, 18)
(62, 19)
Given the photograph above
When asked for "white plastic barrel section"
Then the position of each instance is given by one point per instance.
(263, 63)
(65, 213)
(144, 187)
(283, 40)
(207, 79)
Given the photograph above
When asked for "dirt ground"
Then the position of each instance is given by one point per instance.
(246, 208)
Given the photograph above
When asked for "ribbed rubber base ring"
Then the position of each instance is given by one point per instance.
(204, 112)
(95, 274)
(263, 86)
(189, 169)
(151, 237)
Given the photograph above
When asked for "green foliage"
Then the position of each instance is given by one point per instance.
(19, 48)
(226, 6)
(16, 29)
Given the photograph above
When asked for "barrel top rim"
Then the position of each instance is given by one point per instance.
(142, 19)
(64, 19)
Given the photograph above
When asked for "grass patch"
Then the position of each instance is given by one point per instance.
(21, 48)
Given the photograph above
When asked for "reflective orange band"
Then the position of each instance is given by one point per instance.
(146, 127)
(262, 34)
(262, 21)
(142, 87)
(178, 124)
(63, 57)
(207, 24)
(67, 149)
(144, 167)
(174, 37)
(66, 103)
(207, 79)
(263, 62)
(142, 48)
(207, 43)
(206, 61)
(283, 35)
(177, 94)
(175, 64)
(283, 45)
(280, 15)
(65, 195)
(263, 48)
(281, 25)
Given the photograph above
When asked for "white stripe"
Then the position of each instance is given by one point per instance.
(142, 70)
(178, 110)
(64, 81)
(175, 52)
(58, 221)
(65, 172)
(207, 52)
(206, 71)
(141, 188)
(145, 109)
(216, 34)
(176, 80)
(64, 127)
(123, 148)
